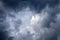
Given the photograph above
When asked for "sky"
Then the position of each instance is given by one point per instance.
(29, 19)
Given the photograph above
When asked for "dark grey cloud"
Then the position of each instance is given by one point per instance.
(10, 38)
(52, 12)
(3, 35)
(34, 4)
(3, 32)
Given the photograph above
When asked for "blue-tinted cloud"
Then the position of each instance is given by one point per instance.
(30, 19)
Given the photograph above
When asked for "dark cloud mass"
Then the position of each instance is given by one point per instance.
(35, 4)
(15, 18)
(3, 35)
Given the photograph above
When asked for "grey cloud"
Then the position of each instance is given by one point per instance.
(50, 22)
(33, 4)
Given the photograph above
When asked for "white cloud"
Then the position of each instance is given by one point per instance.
(30, 21)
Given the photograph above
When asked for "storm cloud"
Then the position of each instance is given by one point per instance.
(29, 19)
(33, 4)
